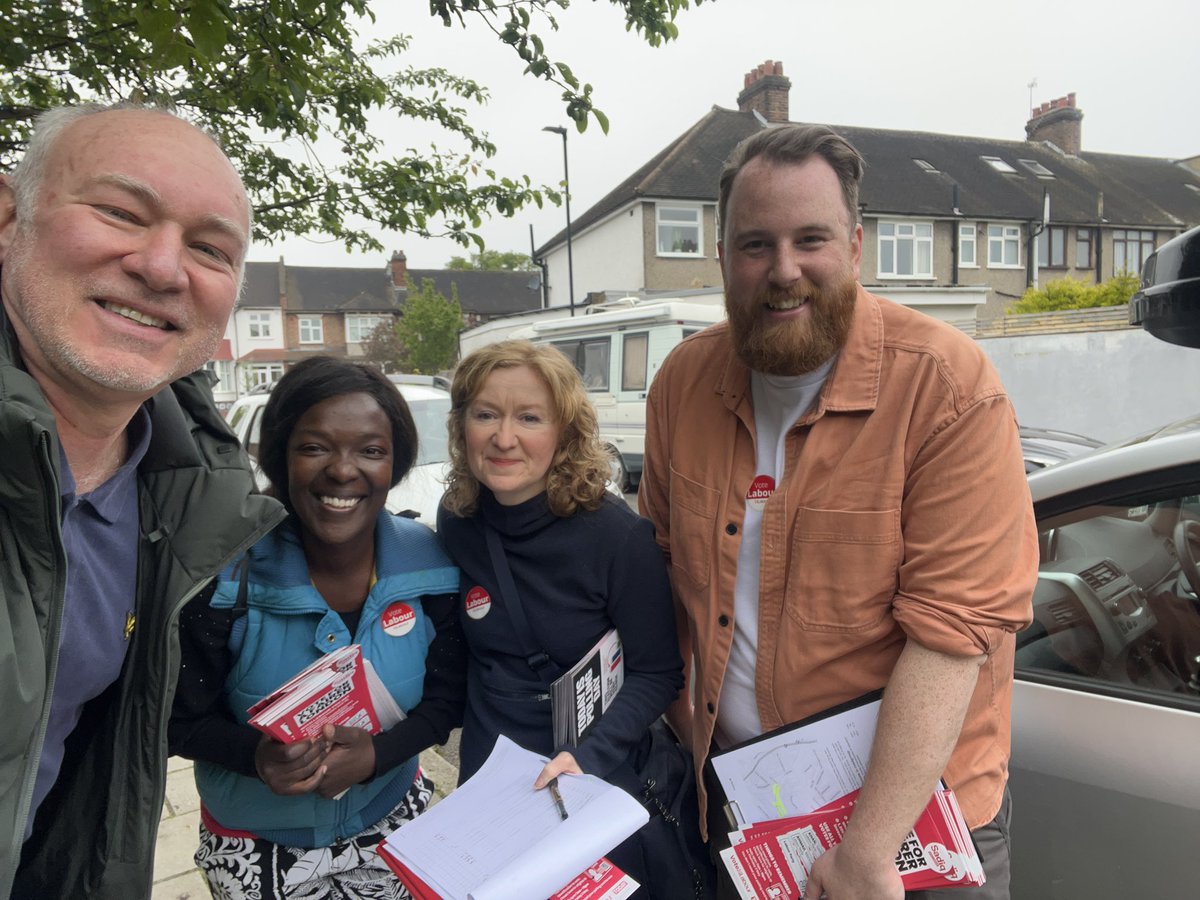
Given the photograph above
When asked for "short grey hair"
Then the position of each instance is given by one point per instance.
(29, 173)
(795, 144)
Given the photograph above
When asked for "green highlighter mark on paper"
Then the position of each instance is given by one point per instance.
(778, 802)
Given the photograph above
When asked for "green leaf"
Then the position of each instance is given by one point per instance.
(206, 25)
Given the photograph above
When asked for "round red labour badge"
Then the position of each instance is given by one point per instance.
(479, 602)
(761, 489)
(398, 619)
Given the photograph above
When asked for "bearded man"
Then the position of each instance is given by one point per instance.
(837, 483)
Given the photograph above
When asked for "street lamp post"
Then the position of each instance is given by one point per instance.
(560, 130)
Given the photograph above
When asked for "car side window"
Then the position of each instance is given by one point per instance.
(252, 435)
(1117, 600)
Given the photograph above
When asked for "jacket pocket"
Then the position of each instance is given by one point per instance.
(693, 524)
(844, 569)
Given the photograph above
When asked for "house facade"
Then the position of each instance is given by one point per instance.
(939, 212)
(287, 313)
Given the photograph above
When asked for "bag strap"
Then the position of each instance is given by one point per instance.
(237, 630)
(537, 658)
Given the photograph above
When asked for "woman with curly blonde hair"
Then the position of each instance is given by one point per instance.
(550, 561)
(578, 474)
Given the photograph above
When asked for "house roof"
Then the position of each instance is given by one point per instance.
(333, 289)
(318, 288)
(1137, 191)
(485, 293)
(276, 354)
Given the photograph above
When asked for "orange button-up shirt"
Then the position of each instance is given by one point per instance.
(902, 513)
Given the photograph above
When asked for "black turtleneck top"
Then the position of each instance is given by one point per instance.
(577, 577)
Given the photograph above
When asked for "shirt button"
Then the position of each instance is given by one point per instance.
(723, 620)
(731, 528)
(710, 707)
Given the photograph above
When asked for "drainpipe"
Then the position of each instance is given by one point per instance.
(542, 265)
(954, 238)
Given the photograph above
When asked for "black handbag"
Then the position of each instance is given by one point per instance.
(659, 773)
(677, 859)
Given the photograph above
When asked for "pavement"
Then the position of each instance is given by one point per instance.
(175, 874)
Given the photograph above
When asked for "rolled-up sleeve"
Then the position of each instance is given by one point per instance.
(970, 551)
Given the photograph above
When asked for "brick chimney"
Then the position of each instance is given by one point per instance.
(281, 282)
(399, 267)
(1057, 121)
(766, 90)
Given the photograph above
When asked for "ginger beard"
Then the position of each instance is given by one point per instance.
(794, 346)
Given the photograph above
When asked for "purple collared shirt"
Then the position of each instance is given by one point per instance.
(100, 535)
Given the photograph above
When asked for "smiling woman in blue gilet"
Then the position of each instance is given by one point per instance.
(303, 819)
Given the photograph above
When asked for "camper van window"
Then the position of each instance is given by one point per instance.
(590, 357)
(633, 361)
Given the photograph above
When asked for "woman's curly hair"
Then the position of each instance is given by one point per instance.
(579, 472)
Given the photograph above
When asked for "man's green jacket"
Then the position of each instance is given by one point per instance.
(198, 510)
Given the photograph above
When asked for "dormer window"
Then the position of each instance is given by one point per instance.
(925, 166)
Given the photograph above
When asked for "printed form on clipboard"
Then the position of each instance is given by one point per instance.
(798, 768)
(789, 795)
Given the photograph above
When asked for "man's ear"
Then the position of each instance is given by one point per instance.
(8, 216)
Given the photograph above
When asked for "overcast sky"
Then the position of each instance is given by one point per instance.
(932, 65)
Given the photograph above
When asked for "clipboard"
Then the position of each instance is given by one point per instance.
(796, 768)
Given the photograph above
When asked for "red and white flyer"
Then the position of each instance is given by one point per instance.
(771, 860)
(600, 881)
(340, 688)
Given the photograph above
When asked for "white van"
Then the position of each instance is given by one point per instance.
(617, 349)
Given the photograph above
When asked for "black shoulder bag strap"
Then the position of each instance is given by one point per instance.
(537, 658)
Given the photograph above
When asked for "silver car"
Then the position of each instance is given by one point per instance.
(1105, 770)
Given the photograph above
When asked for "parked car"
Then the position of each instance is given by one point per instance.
(1043, 447)
(422, 488)
(1105, 770)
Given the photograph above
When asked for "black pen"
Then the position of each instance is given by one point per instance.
(558, 800)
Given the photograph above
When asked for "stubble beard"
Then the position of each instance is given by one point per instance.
(798, 346)
(26, 293)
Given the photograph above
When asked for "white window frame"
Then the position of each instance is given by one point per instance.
(258, 325)
(311, 330)
(1144, 240)
(1036, 168)
(896, 232)
(264, 373)
(1000, 165)
(999, 237)
(223, 369)
(967, 237)
(686, 217)
(356, 329)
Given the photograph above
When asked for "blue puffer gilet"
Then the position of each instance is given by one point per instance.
(288, 625)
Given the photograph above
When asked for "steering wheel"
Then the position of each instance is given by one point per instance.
(1187, 538)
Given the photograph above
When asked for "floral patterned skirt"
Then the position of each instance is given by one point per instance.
(240, 866)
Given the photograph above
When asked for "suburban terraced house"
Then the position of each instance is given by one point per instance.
(954, 225)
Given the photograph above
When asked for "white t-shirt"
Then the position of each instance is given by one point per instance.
(779, 401)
